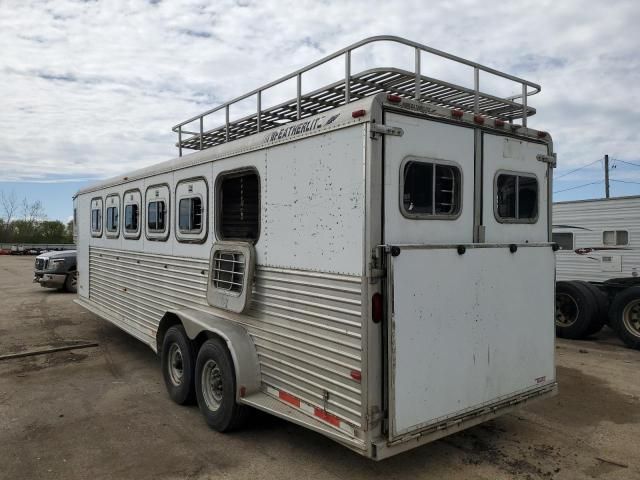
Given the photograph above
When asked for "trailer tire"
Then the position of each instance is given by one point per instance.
(601, 316)
(575, 310)
(178, 364)
(624, 316)
(216, 387)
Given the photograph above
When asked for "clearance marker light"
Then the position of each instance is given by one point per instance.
(394, 98)
(457, 113)
(358, 113)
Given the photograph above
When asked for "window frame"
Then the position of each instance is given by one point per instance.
(573, 241)
(112, 233)
(515, 220)
(616, 244)
(132, 235)
(435, 162)
(96, 233)
(158, 235)
(237, 172)
(193, 236)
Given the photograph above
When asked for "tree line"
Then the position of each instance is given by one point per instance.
(22, 221)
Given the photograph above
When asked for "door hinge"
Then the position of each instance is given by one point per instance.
(550, 159)
(385, 130)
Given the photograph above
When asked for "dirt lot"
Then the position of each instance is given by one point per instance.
(102, 412)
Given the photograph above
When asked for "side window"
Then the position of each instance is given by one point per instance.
(96, 217)
(112, 219)
(516, 197)
(131, 218)
(190, 215)
(191, 210)
(238, 214)
(157, 211)
(156, 216)
(112, 214)
(615, 237)
(132, 214)
(564, 240)
(430, 190)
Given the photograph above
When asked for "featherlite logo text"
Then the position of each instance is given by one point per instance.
(300, 128)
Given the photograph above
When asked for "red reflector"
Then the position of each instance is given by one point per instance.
(499, 123)
(394, 98)
(542, 134)
(358, 113)
(287, 397)
(356, 375)
(478, 119)
(457, 113)
(376, 308)
(327, 417)
(243, 392)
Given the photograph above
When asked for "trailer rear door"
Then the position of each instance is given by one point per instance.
(470, 325)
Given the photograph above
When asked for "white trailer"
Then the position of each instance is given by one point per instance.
(599, 257)
(371, 260)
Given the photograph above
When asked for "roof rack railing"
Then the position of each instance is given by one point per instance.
(355, 86)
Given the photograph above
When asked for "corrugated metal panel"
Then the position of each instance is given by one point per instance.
(306, 325)
(587, 220)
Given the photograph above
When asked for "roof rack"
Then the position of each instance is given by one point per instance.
(407, 84)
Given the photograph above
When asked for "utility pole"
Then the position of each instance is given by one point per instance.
(606, 176)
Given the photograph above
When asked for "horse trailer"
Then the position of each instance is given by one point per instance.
(598, 265)
(371, 260)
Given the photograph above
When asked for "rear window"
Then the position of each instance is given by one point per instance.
(430, 190)
(516, 198)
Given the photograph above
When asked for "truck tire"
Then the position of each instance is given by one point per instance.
(178, 363)
(71, 282)
(575, 309)
(602, 308)
(624, 316)
(216, 387)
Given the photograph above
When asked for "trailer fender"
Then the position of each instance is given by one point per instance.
(240, 345)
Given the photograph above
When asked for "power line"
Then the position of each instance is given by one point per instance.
(625, 181)
(579, 168)
(628, 163)
(579, 186)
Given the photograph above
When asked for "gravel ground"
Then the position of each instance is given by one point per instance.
(102, 412)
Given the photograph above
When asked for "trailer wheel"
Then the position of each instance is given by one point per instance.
(575, 310)
(216, 387)
(624, 316)
(178, 362)
(600, 318)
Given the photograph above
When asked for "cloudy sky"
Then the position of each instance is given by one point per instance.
(91, 89)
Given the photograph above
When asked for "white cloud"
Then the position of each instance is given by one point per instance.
(92, 89)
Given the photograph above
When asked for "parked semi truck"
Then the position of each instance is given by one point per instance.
(598, 267)
(371, 260)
